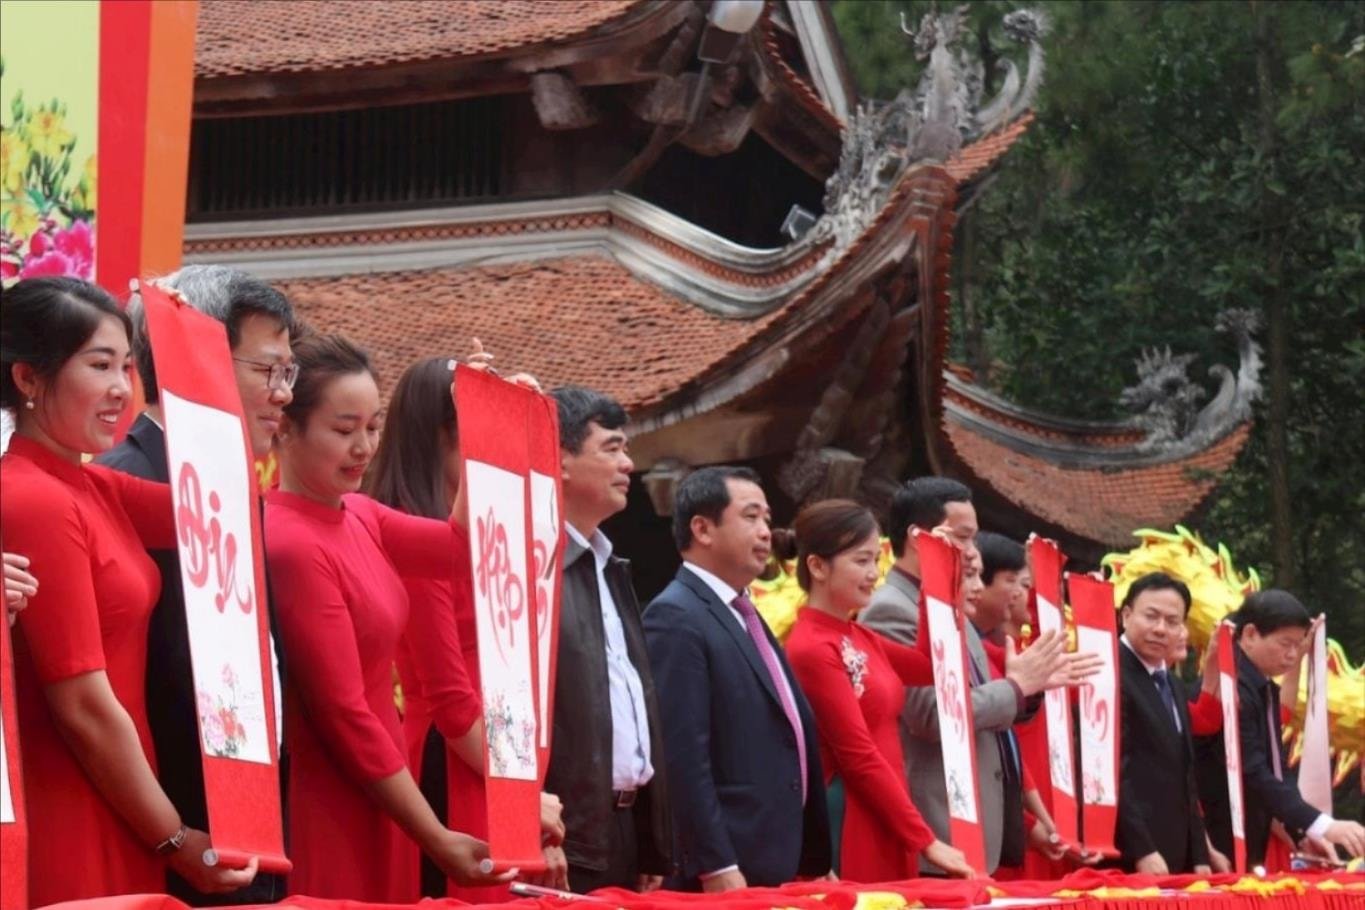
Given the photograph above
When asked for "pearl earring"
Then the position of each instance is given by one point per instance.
(29, 404)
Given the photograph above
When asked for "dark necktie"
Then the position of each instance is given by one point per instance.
(1004, 740)
(1163, 685)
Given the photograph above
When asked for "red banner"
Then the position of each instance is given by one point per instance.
(13, 827)
(503, 539)
(217, 517)
(1232, 743)
(1092, 604)
(941, 571)
(1046, 561)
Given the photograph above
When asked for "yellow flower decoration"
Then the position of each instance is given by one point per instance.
(20, 217)
(84, 193)
(47, 133)
(14, 159)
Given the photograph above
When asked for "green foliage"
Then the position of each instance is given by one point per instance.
(1139, 205)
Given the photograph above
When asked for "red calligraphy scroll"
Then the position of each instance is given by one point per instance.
(1232, 743)
(1092, 603)
(1059, 789)
(494, 416)
(941, 568)
(219, 542)
(13, 826)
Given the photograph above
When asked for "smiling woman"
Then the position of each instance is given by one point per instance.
(99, 823)
(855, 680)
(338, 560)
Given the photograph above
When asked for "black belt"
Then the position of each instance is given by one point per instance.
(624, 799)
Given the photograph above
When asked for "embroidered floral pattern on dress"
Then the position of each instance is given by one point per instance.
(855, 663)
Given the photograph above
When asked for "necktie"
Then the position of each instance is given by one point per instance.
(1272, 716)
(1163, 685)
(753, 624)
(1005, 741)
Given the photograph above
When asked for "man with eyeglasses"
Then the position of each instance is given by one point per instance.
(259, 322)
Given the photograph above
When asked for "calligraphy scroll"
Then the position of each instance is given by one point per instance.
(940, 567)
(218, 529)
(1232, 743)
(1092, 602)
(13, 827)
(494, 415)
(1046, 561)
(1315, 765)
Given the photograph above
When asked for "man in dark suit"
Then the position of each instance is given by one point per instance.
(748, 795)
(259, 321)
(1160, 830)
(1272, 628)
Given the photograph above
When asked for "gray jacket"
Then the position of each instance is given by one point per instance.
(894, 612)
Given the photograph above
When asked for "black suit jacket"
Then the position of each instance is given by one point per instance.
(1158, 800)
(171, 711)
(1265, 796)
(732, 756)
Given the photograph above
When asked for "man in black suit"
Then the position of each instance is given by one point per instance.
(1272, 628)
(259, 321)
(1160, 830)
(748, 795)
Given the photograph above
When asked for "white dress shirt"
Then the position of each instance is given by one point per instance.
(630, 765)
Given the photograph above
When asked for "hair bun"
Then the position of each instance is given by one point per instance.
(784, 543)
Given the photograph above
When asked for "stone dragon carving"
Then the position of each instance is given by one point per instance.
(1166, 400)
(928, 123)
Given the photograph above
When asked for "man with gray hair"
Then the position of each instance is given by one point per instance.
(260, 322)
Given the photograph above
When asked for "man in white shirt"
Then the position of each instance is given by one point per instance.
(748, 794)
(606, 756)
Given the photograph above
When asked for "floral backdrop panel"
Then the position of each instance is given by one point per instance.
(49, 116)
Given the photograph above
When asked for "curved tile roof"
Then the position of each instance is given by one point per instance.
(584, 319)
(294, 36)
(1103, 504)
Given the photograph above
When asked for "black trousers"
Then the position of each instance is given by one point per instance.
(623, 865)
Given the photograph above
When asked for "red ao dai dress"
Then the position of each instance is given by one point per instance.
(855, 681)
(337, 577)
(86, 530)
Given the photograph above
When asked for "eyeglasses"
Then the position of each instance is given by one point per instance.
(279, 375)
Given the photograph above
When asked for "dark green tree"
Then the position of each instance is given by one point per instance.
(1187, 158)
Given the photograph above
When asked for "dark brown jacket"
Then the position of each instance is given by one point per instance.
(580, 754)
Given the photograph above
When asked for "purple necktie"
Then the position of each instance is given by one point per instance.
(754, 624)
(1271, 718)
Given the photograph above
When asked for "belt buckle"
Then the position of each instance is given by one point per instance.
(625, 798)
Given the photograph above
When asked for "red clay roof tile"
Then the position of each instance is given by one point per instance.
(1101, 504)
(290, 36)
(584, 320)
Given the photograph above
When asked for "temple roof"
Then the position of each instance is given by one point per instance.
(584, 320)
(295, 36)
(1102, 501)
